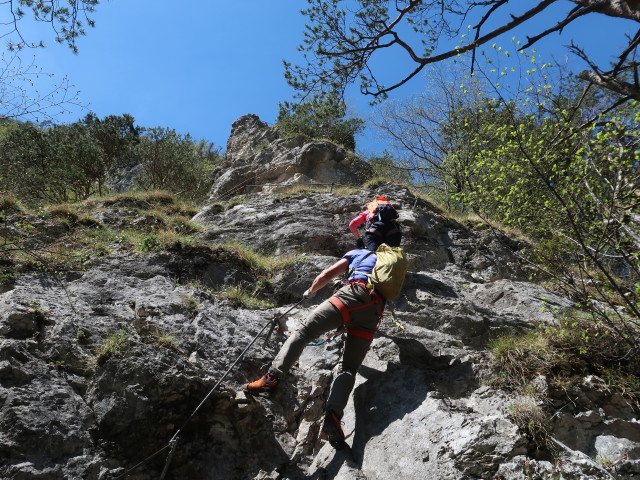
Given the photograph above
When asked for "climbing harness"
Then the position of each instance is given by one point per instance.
(174, 440)
(346, 312)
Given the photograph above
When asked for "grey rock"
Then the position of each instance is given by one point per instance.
(99, 369)
(257, 160)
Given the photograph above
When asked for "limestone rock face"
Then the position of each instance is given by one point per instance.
(258, 160)
(100, 368)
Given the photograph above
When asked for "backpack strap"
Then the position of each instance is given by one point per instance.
(384, 228)
(353, 270)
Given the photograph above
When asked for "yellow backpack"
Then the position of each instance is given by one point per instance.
(389, 271)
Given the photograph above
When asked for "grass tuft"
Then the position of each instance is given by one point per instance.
(530, 417)
(113, 343)
(254, 259)
(8, 201)
(237, 295)
(375, 182)
(576, 347)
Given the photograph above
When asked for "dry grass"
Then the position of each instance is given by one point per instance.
(254, 259)
(564, 353)
(237, 295)
(64, 210)
(8, 201)
(113, 343)
(529, 415)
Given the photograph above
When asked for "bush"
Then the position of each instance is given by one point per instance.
(321, 117)
(575, 347)
(64, 163)
(173, 162)
(386, 166)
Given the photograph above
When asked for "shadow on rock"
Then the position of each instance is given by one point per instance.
(423, 282)
(389, 396)
(384, 398)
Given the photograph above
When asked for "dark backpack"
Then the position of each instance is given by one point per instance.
(380, 232)
(385, 213)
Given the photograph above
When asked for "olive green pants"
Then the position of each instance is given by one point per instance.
(325, 318)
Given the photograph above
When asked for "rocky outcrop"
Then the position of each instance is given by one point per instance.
(258, 160)
(101, 366)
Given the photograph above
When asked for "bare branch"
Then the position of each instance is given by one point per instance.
(573, 15)
(611, 83)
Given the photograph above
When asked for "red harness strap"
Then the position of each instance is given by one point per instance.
(346, 317)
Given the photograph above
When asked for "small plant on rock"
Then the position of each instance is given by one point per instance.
(190, 303)
(240, 297)
(113, 343)
(149, 243)
(531, 418)
(166, 340)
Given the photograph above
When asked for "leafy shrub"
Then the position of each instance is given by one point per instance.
(149, 243)
(64, 163)
(171, 161)
(320, 117)
(387, 167)
(575, 347)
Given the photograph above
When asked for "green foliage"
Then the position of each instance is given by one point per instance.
(149, 243)
(7, 279)
(112, 344)
(565, 353)
(320, 117)
(64, 163)
(568, 182)
(578, 345)
(67, 20)
(173, 162)
(262, 145)
(116, 135)
(267, 263)
(237, 295)
(527, 149)
(387, 167)
(70, 163)
(36, 243)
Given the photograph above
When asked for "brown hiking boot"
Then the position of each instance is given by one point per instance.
(267, 382)
(332, 429)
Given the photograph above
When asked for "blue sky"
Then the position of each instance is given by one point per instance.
(198, 68)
